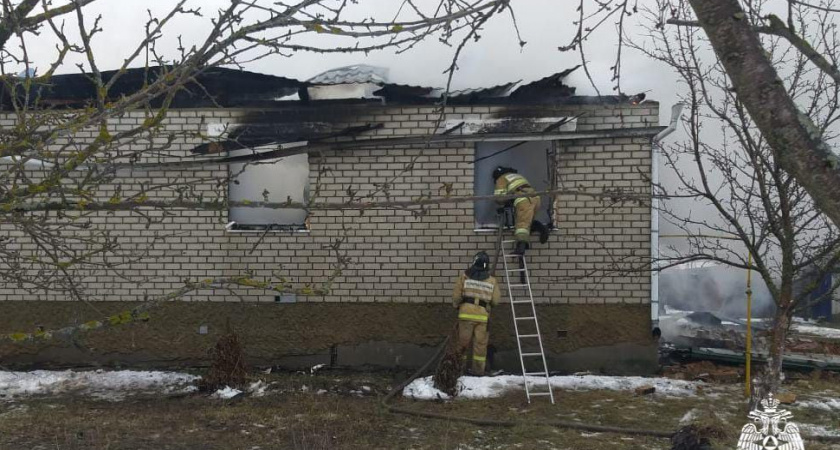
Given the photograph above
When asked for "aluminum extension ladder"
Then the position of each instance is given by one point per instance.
(525, 318)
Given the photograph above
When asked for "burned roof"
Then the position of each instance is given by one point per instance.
(550, 86)
(216, 86)
(550, 89)
(225, 87)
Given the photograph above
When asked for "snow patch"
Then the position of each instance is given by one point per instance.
(226, 393)
(258, 388)
(114, 385)
(690, 417)
(813, 330)
(488, 387)
(830, 404)
(672, 310)
(818, 430)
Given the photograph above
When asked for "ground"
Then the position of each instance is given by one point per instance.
(334, 410)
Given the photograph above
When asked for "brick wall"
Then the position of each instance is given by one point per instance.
(397, 256)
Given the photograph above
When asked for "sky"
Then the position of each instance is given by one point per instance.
(496, 58)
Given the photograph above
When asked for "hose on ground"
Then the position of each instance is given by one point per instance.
(512, 423)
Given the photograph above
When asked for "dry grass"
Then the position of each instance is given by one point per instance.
(228, 364)
(450, 367)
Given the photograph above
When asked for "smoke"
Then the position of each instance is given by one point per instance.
(717, 289)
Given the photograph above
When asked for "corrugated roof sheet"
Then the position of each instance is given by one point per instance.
(551, 85)
(358, 73)
(499, 90)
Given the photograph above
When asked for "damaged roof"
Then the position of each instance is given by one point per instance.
(217, 86)
(550, 89)
(355, 74)
(227, 87)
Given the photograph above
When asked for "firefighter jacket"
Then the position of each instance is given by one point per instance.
(469, 294)
(512, 183)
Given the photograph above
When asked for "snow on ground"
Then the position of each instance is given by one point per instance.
(258, 388)
(690, 417)
(487, 387)
(828, 404)
(817, 430)
(99, 384)
(814, 330)
(226, 393)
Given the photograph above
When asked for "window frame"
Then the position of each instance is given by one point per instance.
(553, 178)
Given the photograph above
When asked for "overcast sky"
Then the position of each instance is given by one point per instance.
(495, 59)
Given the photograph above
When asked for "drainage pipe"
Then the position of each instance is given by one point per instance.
(656, 147)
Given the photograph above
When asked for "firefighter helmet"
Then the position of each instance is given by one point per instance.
(481, 261)
(501, 170)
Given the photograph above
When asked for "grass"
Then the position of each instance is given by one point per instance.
(342, 411)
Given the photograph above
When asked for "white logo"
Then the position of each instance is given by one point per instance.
(775, 432)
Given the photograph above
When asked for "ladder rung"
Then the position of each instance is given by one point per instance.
(528, 374)
(539, 393)
(517, 285)
(532, 354)
(516, 270)
(529, 336)
(512, 255)
(525, 318)
(516, 302)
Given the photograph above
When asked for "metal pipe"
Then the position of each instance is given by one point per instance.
(748, 355)
(676, 112)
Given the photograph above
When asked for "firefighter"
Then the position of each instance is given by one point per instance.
(509, 182)
(475, 293)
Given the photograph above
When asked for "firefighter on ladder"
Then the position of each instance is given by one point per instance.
(475, 293)
(509, 182)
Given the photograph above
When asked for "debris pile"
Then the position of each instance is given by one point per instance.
(705, 336)
(704, 371)
(800, 344)
(694, 437)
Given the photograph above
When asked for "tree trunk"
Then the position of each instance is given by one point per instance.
(796, 143)
(773, 375)
(771, 378)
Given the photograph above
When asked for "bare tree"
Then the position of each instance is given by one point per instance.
(62, 166)
(728, 166)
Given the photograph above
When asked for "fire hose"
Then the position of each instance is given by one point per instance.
(512, 423)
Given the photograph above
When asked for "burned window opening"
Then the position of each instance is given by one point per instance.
(533, 159)
(285, 179)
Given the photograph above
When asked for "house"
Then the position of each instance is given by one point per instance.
(822, 298)
(344, 135)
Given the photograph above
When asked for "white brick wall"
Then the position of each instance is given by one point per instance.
(397, 256)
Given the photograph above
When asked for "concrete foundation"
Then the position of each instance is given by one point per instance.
(609, 338)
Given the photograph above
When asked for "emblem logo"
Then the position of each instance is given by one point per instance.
(771, 430)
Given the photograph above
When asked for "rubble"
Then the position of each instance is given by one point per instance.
(704, 371)
(645, 390)
(705, 336)
(786, 398)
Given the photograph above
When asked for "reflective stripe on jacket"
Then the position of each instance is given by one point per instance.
(487, 290)
(507, 184)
